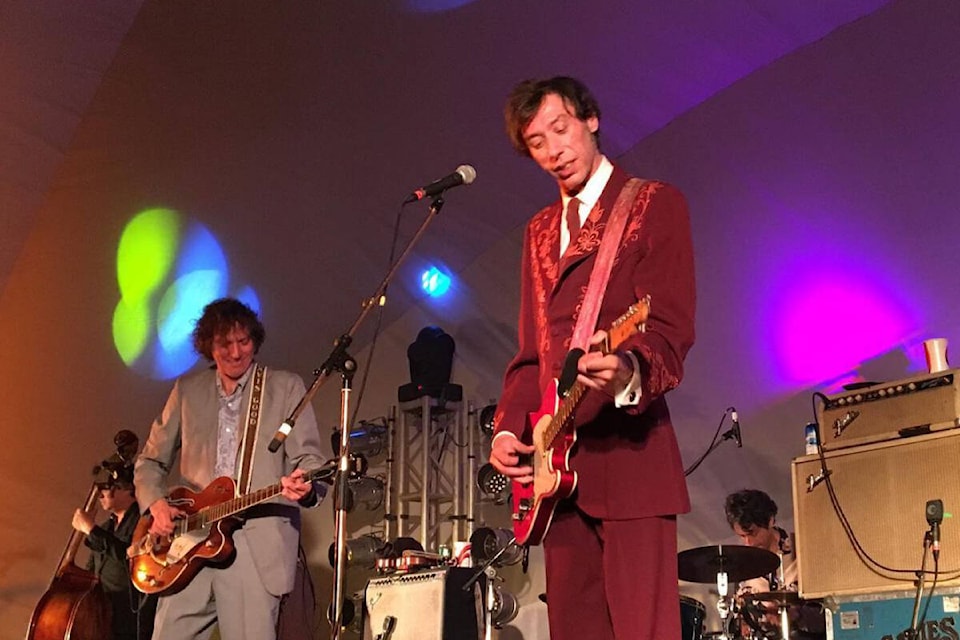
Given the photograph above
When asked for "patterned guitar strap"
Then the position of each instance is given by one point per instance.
(249, 442)
(600, 275)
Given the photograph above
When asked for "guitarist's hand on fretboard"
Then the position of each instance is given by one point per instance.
(294, 488)
(604, 371)
(510, 457)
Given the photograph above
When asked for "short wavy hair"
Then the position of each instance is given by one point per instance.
(219, 317)
(525, 100)
(749, 508)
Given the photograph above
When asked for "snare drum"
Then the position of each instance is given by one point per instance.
(692, 613)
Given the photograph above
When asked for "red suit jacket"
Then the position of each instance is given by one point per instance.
(627, 459)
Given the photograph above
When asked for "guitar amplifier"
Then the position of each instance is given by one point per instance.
(882, 490)
(425, 605)
(889, 410)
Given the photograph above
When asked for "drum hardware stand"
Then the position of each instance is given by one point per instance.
(340, 360)
(723, 589)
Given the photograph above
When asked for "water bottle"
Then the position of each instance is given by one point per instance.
(810, 438)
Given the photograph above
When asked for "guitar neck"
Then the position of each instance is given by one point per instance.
(564, 414)
(215, 512)
(622, 328)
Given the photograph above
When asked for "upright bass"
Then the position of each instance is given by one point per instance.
(74, 606)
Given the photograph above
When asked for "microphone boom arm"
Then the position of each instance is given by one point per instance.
(336, 359)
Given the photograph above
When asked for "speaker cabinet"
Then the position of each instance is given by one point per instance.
(883, 490)
(424, 605)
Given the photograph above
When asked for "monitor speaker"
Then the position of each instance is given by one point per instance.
(424, 605)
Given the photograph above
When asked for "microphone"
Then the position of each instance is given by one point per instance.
(735, 419)
(465, 174)
(934, 512)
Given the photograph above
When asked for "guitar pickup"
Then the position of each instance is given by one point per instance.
(523, 507)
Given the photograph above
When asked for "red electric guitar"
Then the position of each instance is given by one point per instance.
(166, 564)
(554, 437)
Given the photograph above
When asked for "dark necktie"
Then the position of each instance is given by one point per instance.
(573, 220)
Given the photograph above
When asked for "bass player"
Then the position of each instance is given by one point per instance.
(611, 549)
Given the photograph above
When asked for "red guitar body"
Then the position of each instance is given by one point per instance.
(534, 502)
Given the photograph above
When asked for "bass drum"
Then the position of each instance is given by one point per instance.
(692, 613)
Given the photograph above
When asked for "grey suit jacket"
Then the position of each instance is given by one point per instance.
(188, 425)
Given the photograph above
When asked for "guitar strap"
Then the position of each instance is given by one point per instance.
(249, 442)
(600, 275)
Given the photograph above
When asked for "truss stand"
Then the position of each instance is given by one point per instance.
(423, 481)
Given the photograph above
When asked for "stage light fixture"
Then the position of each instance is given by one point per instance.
(504, 607)
(486, 542)
(492, 483)
(485, 421)
(365, 491)
(367, 439)
(362, 552)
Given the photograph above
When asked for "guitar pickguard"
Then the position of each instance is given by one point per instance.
(184, 544)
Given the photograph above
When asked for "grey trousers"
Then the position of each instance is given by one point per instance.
(233, 597)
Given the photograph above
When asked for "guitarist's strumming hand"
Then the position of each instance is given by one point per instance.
(505, 455)
(163, 516)
(607, 372)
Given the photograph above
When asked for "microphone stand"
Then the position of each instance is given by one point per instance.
(912, 633)
(340, 360)
(718, 439)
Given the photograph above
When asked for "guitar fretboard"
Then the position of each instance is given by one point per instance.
(216, 512)
(623, 327)
(564, 414)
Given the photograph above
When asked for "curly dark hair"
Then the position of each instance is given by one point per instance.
(749, 508)
(219, 317)
(525, 100)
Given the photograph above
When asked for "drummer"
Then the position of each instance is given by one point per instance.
(752, 514)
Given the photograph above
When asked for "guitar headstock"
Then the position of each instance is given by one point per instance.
(632, 321)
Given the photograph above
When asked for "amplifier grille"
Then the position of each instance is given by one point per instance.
(883, 490)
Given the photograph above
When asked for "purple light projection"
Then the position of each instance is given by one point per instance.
(827, 319)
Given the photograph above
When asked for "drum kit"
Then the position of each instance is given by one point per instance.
(720, 565)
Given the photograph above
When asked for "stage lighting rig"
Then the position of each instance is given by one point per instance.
(364, 491)
(367, 439)
(493, 483)
(362, 552)
(487, 542)
(485, 419)
(504, 606)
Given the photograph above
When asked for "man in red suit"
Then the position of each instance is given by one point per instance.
(611, 549)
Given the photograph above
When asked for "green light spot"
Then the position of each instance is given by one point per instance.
(131, 329)
(146, 253)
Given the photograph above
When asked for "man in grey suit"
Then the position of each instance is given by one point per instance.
(207, 421)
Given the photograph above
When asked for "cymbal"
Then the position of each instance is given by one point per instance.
(777, 597)
(739, 562)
